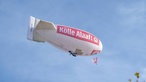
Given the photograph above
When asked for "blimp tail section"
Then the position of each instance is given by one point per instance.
(36, 25)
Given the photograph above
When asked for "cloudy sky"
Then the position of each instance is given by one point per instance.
(119, 24)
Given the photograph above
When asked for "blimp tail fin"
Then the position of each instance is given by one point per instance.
(43, 25)
(37, 24)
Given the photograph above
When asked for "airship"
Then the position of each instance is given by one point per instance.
(75, 41)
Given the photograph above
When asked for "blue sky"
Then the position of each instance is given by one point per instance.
(119, 24)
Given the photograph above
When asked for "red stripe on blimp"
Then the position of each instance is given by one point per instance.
(78, 34)
(95, 52)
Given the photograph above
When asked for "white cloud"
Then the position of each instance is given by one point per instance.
(143, 74)
(132, 23)
(132, 14)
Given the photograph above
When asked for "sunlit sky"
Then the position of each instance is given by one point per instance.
(119, 24)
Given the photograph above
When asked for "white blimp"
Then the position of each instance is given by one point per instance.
(75, 41)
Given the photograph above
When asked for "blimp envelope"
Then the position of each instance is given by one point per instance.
(73, 40)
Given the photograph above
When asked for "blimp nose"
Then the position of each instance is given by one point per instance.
(100, 46)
